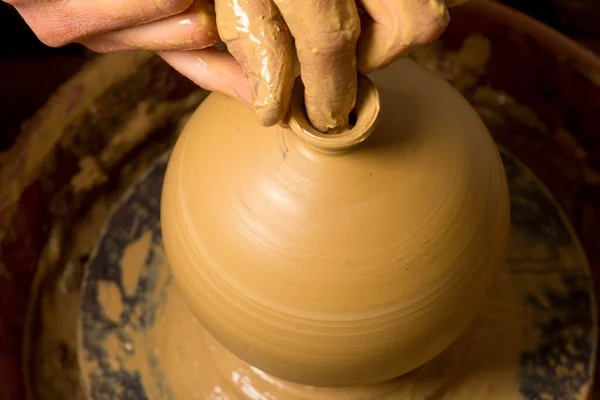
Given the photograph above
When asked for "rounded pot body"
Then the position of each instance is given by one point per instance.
(338, 268)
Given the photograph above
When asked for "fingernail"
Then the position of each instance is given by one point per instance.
(244, 94)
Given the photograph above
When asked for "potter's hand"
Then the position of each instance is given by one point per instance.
(158, 25)
(326, 34)
(117, 25)
(257, 34)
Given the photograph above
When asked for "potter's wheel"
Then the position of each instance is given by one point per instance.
(536, 338)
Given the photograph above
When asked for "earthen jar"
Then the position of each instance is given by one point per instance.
(338, 259)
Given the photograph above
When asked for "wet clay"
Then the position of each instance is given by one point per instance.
(326, 34)
(481, 364)
(531, 340)
(196, 366)
(325, 43)
(258, 38)
(338, 259)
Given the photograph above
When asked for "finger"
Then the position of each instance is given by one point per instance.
(213, 70)
(326, 32)
(192, 30)
(57, 23)
(396, 27)
(258, 38)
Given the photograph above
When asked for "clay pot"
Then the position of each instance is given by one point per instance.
(338, 259)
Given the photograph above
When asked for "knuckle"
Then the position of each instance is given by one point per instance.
(54, 30)
(429, 30)
(331, 43)
(433, 28)
(351, 29)
(330, 35)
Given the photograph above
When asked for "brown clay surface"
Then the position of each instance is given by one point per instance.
(338, 269)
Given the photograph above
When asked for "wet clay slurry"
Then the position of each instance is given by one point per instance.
(338, 269)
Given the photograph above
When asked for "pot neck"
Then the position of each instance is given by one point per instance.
(366, 115)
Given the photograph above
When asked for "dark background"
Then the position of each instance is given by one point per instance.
(30, 70)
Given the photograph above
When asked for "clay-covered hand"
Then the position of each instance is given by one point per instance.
(333, 40)
(258, 34)
(326, 34)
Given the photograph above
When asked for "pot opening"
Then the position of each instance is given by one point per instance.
(362, 120)
(352, 118)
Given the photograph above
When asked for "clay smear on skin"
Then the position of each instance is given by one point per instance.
(258, 38)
